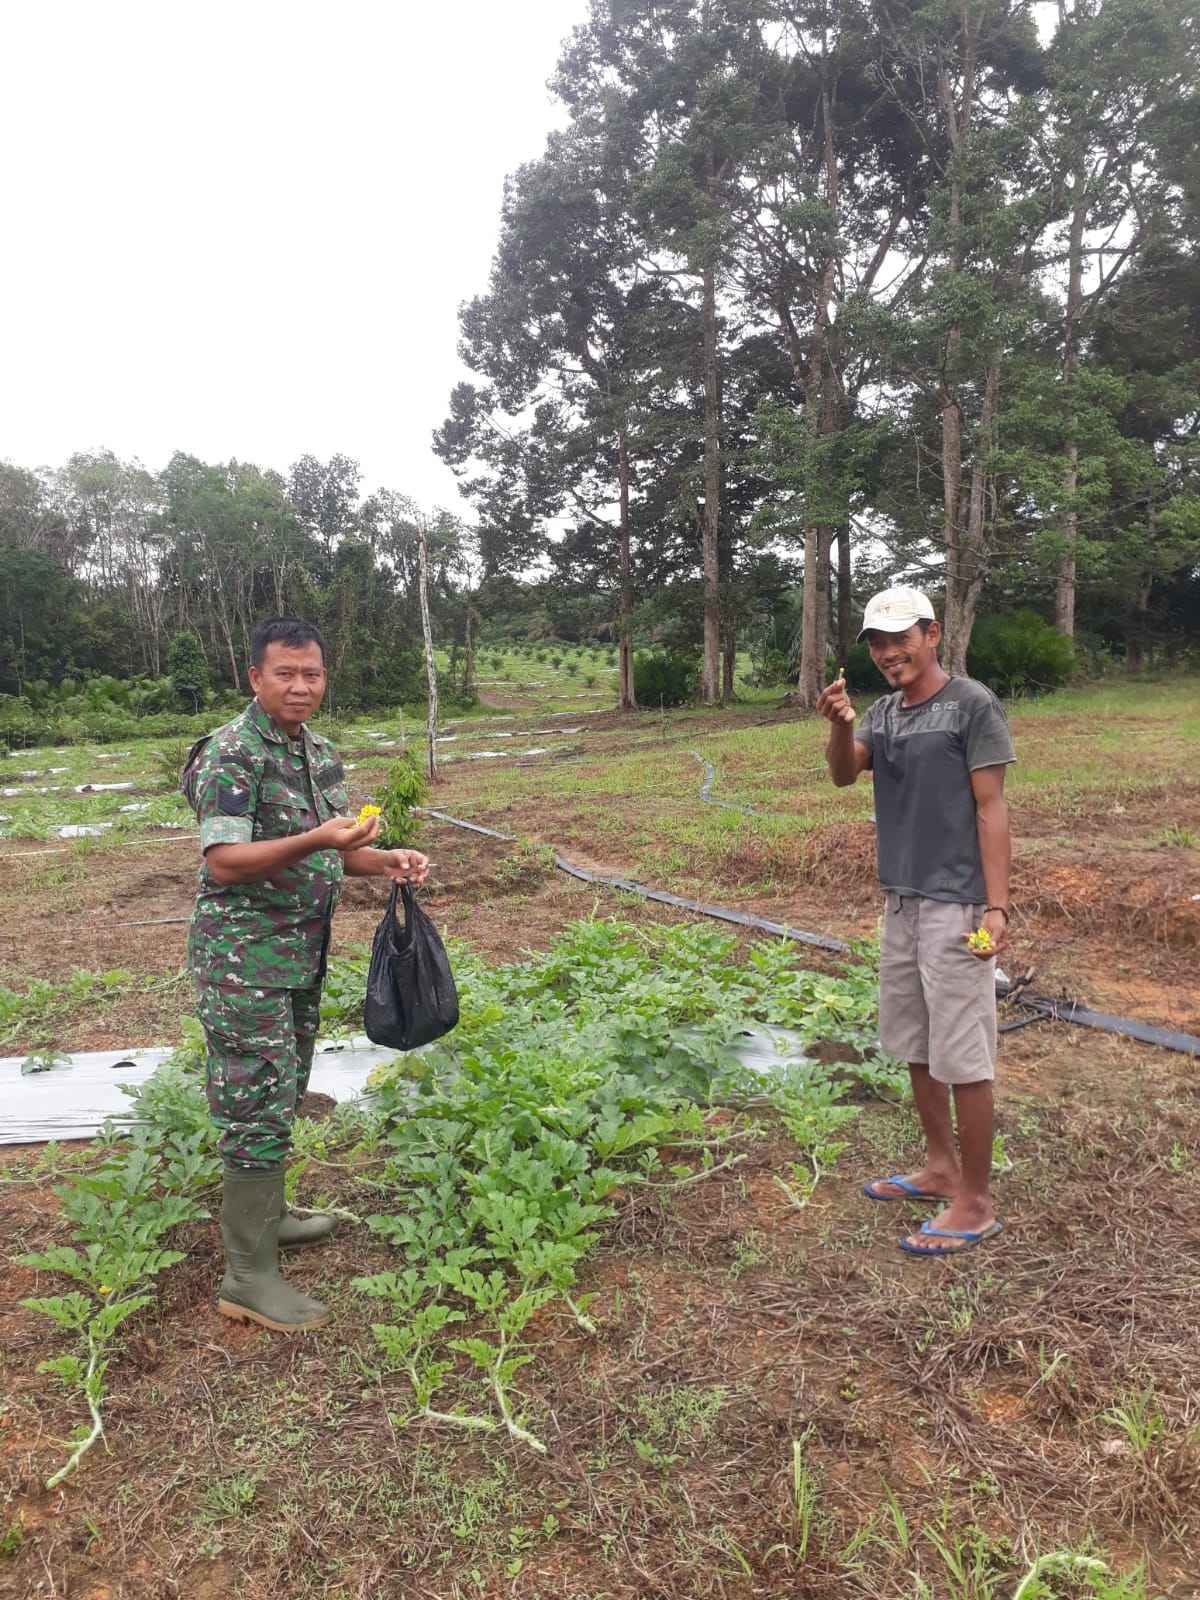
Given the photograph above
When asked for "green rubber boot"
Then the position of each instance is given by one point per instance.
(295, 1232)
(252, 1290)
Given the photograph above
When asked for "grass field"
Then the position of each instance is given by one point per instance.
(683, 1356)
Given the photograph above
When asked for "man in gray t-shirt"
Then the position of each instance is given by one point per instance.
(937, 748)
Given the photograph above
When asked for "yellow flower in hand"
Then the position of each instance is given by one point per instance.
(367, 811)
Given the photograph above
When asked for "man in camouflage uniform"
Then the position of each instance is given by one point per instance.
(270, 797)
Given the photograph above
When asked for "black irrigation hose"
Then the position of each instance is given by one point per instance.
(710, 773)
(1024, 1022)
(722, 913)
(1047, 1010)
(471, 827)
(661, 896)
(706, 794)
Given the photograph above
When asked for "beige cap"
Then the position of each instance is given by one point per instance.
(893, 610)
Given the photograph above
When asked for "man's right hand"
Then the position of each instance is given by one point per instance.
(833, 702)
(343, 833)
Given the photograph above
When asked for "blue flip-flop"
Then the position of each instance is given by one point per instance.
(967, 1241)
(911, 1192)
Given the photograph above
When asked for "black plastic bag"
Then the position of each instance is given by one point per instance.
(411, 996)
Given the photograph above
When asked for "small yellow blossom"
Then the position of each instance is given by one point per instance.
(367, 811)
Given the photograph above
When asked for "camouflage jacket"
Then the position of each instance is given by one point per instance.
(250, 781)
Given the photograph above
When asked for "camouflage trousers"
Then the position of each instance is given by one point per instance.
(260, 1050)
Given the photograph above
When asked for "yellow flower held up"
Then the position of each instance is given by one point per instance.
(367, 811)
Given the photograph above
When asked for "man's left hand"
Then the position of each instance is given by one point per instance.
(405, 866)
(997, 928)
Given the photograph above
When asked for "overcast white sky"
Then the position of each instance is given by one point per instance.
(245, 229)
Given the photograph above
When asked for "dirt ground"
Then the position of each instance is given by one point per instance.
(982, 1393)
(1102, 916)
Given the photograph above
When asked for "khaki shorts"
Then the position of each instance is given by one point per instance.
(937, 1001)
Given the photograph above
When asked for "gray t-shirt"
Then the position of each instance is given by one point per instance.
(922, 758)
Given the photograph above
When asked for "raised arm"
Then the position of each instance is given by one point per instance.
(846, 755)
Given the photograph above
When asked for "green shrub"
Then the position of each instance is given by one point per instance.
(20, 725)
(111, 727)
(105, 711)
(151, 695)
(775, 655)
(169, 761)
(664, 677)
(451, 695)
(188, 670)
(772, 669)
(863, 676)
(1019, 654)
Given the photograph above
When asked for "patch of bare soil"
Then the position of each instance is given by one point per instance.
(99, 909)
(982, 1392)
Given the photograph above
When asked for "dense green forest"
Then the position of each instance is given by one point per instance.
(105, 565)
(802, 298)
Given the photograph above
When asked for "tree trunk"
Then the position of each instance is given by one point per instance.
(277, 571)
(1135, 638)
(710, 682)
(818, 536)
(728, 661)
(154, 601)
(967, 557)
(821, 414)
(214, 638)
(469, 653)
(430, 665)
(845, 627)
(952, 488)
(1064, 589)
(626, 696)
(232, 653)
(814, 615)
(956, 625)
(222, 618)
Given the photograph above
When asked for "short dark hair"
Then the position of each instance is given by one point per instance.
(287, 631)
